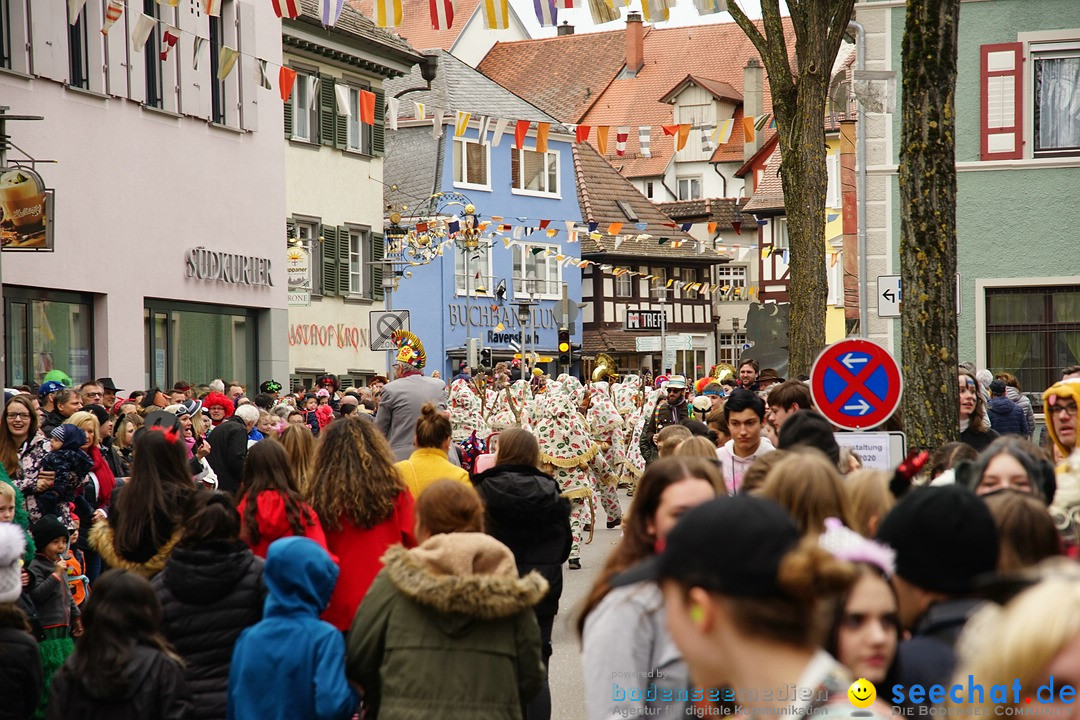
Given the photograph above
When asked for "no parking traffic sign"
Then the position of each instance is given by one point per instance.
(856, 384)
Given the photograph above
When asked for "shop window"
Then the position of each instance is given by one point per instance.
(730, 347)
(46, 330)
(199, 342)
(1033, 332)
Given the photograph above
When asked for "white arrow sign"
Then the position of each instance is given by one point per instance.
(850, 360)
(863, 407)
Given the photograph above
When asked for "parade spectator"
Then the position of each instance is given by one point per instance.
(21, 681)
(974, 427)
(220, 408)
(1006, 417)
(809, 428)
(670, 438)
(108, 391)
(743, 414)
(672, 410)
(750, 619)
(1010, 463)
(768, 378)
(57, 614)
(291, 664)
(623, 628)
(363, 505)
(810, 488)
(455, 601)
(68, 402)
(944, 538)
(697, 446)
(402, 399)
(210, 590)
(106, 443)
(22, 448)
(122, 668)
(152, 401)
(866, 628)
(91, 393)
(1014, 392)
(754, 477)
(70, 465)
(524, 511)
(869, 498)
(715, 392)
(945, 459)
(47, 398)
(234, 391)
(147, 515)
(229, 446)
(748, 375)
(785, 400)
(124, 435)
(270, 504)
(1060, 408)
(299, 446)
(428, 462)
(1025, 529)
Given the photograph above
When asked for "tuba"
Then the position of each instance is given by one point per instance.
(605, 369)
(722, 371)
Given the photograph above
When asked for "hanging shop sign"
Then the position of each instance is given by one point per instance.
(213, 266)
(298, 271)
(26, 211)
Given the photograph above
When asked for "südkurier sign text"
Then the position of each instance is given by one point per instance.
(213, 266)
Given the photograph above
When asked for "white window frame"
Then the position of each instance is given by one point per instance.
(550, 289)
(307, 232)
(460, 281)
(689, 180)
(781, 238)
(356, 130)
(459, 147)
(300, 108)
(1034, 52)
(732, 277)
(517, 184)
(358, 238)
(624, 285)
(835, 274)
(1036, 43)
(833, 197)
(730, 346)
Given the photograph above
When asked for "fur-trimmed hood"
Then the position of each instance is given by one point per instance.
(102, 540)
(464, 574)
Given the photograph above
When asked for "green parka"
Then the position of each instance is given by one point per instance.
(447, 630)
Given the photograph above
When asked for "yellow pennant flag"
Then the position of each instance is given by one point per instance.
(388, 13)
(722, 133)
(765, 252)
(601, 139)
(462, 123)
(500, 327)
(226, 61)
(542, 129)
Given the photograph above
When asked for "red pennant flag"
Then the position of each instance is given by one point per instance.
(544, 224)
(583, 133)
(169, 36)
(620, 141)
(421, 227)
(670, 129)
(442, 14)
(736, 225)
(520, 129)
(287, 8)
(286, 78)
(367, 107)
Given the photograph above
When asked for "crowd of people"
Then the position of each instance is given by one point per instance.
(397, 550)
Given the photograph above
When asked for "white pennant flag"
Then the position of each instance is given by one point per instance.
(518, 232)
(196, 53)
(483, 129)
(343, 104)
(619, 240)
(420, 112)
(313, 91)
(570, 226)
(144, 25)
(264, 78)
(500, 128)
(74, 10)
(212, 7)
(393, 105)
(437, 121)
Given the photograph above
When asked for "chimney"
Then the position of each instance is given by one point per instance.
(753, 101)
(566, 28)
(635, 44)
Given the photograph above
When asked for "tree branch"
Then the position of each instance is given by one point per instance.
(774, 31)
(749, 28)
(837, 27)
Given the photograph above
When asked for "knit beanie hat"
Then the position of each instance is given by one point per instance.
(944, 538)
(71, 437)
(47, 529)
(12, 544)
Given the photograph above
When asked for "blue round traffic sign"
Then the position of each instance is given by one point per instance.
(856, 384)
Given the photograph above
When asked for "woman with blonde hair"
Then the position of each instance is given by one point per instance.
(363, 505)
(299, 445)
(810, 488)
(697, 446)
(870, 500)
(124, 433)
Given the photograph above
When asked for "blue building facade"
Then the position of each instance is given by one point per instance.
(473, 293)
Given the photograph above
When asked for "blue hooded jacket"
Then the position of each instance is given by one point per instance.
(292, 664)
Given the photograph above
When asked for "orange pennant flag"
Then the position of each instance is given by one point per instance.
(286, 78)
(748, 129)
(614, 228)
(670, 129)
(542, 136)
(601, 138)
(684, 132)
(712, 228)
(583, 133)
(367, 107)
(520, 129)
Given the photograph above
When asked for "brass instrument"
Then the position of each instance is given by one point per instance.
(605, 370)
(723, 371)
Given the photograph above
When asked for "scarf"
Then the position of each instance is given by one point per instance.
(106, 479)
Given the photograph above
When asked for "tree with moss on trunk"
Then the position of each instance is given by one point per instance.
(928, 223)
(799, 95)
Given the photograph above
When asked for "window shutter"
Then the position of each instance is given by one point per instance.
(344, 243)
(377, 251)
(328, 118)
(288, 118)
(290, 230)
(341, 135)
(1001, 107)
(329, 260)
(378, 131)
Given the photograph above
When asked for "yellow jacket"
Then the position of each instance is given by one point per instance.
(426, 466)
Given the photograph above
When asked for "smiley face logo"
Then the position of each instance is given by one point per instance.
(862, 693)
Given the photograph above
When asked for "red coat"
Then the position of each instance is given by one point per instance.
(361, 554)
(273, 524)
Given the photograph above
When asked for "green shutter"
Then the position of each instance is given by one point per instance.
(290, 230)
(329, 260)
(378, 252)
(344, 243)
(288, 118)
(328, 117)
(378, 141)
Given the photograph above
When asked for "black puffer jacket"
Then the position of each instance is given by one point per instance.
(526, 513)
(20, 674)
(209, 594)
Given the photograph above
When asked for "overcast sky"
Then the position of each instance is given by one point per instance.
(682, 13)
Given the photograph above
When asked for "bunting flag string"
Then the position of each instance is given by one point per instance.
(264, 77)
(621, 136)
(461, 124)
(169, 37)
(393, 106)
(367, 107)
(226, 60)
(286, 78)
(75, 10)
(520, 129)
(500, 128)
(601, 138)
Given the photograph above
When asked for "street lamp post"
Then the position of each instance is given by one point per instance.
(524, 313)
(662, 299)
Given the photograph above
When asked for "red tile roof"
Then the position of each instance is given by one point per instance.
(717, 88)
(416, 22)
(770, 192)
(564, 75)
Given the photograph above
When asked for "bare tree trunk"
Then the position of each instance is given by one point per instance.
(928, 223)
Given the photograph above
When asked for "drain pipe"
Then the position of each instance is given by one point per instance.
(860, 185)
